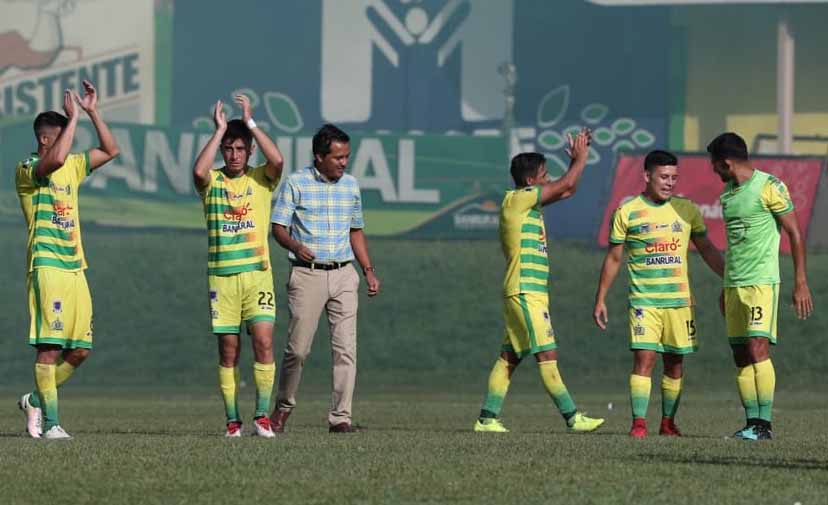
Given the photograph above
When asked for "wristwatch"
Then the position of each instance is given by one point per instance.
(365, 270)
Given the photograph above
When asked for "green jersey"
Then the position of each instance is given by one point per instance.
(750, 211)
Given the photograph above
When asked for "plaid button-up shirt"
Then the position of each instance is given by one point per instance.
(320, 213)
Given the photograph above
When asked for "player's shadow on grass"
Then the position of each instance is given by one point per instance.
(791, 464)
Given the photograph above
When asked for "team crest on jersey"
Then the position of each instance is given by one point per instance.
(677, 228)
(639, 313)
(56, 325)
(213, 295)
(57, 306)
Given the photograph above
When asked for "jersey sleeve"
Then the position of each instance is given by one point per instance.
(697, 226)
(25, 178)
(285, 205)
(260, 176)
(776, 198)
(526, 199)
(78, 164)
(618, 228)
(205, 191)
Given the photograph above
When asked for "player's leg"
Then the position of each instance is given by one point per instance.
(646, 332)
(758, 348)
(678, 339)
(229, 352)
(498, 386)
(259, 311)
(307, 294)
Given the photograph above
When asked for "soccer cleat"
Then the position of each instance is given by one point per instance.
(749, 432)
(490, 425)
(668, 428)
(234, 429)
(579, 423)
(764, 433)
(639, 428)
(33, 424)
(262, 425)
(56, 433)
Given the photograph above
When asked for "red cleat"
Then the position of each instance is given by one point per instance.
(639, 428)
(668, 428)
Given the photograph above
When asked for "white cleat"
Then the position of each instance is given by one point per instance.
(263, 428)
(33, 423)
(56, 433)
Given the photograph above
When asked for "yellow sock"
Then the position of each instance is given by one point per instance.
(640, 386)
(229, 387)
(670, 396)
(556, 389)
(63, 371)
(263, 376)
(746, 382)
(47, 390)
(765, 386)
(499, 380)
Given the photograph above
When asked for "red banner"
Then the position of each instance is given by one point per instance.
(699, 183)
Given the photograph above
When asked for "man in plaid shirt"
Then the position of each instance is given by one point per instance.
(318, 219)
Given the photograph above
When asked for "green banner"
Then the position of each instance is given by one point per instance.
(408, 182)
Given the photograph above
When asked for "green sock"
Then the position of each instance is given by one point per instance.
(670, 396)
(63, 371)
(765, 386)
(640, 395)
(556, 389)
(229, 389)
(499, 379)
(47, 390)
(263, 376)
(746, 382)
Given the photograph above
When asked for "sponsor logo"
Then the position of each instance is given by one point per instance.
(238, 213)
(237, 227)
(662, 247)
(57, 306)
(477, 216)
(662, 226)
(639, 313)
(546, 316)
(663, 260)
(638, 330)
(214, 314)
(62, 209)
(737, 230)
(60, 189)
(645, 228)
(62, 222)
(56, 326)
(677, 228)
(213, 295)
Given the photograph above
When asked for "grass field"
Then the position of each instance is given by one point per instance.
(165, 447)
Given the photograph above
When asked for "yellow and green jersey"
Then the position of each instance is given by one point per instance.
(50, 206)
(523, 240)
(238, 214)
(657, 237)
(750, 211)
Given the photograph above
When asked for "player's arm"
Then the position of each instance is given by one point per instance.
(609, 271)
(204, 162)
(108, 146)
(283, 238)
(55, 157)
(275, 161)
(360, 246)
(802, 301)
(709, 253)
(563, 188)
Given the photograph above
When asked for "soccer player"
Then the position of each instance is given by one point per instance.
(656, 228)
(236, 201)
(526, 295)
(755, 204)
(60, 306)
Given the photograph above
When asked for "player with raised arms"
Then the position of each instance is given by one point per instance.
(525, 286)
(755, 205)
(656, 228)
(237, 201)
(60, 306)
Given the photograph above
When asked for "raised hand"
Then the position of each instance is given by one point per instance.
(89, 101)
(578, 148)
(219, 117)
(69, 106)
(244, 103)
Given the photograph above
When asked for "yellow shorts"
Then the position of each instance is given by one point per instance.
(751, 311)
(60, 308)
(528, 326)
(669, 329)
(246, 296)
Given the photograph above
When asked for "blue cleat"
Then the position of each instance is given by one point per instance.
(749, 432)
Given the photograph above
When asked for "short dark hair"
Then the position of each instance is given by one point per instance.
(526, 165)
(49, 119)
(236, 129)
(728, 145)
(659, 158)
(325, 135)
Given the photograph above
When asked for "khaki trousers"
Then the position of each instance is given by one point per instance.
(309, 292)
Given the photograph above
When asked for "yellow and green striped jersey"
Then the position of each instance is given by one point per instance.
(50, 206)
(238, 217)
(523, 239)
(657, 237)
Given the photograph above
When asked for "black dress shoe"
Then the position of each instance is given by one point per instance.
(343, 428)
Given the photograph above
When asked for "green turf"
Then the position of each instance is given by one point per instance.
(418, 448)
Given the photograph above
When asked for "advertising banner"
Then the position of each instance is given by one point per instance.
(699, 183)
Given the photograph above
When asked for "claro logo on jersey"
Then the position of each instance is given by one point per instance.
(672, 246)
(237, 215)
